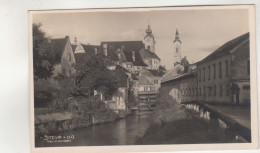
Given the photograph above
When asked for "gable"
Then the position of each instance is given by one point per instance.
(68, 52)
(79, 49)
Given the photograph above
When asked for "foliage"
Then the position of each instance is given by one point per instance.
(92, 74)
(43, 55)
(162, 68)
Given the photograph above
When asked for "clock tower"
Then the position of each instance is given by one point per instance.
(177, 49)
(149, 41)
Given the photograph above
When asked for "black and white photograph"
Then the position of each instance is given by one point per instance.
(143, 76)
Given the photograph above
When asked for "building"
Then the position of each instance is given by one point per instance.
(224, 75)
(64, 57)
(149, 40)
(149, 80)
(124, 53)
(176, 49)
(183, 86)
(150, 59)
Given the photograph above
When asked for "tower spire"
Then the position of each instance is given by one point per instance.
(149, 30)
(177, 37)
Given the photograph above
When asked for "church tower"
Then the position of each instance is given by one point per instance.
(177, 49)
(149, 41)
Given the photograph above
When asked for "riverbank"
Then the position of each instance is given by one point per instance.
(183, 131)
(173, 124)
(53, 123)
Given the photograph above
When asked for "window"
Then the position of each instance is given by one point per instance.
(209, 91)
(226, 68)
(220, 70)
(199, 91)
(189, 92)
(248, 67)
(215, 92)
(227, 90)
(204, 91)
(220, 90)
(69, 57)
(204, 73)
(214, 71)
(196, 91)
(208, 72)
(193, 92)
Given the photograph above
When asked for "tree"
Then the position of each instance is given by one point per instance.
(92, 74)
(43, 55)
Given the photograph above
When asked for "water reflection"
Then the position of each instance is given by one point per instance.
(121, 132)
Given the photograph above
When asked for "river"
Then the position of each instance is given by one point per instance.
(120, 132)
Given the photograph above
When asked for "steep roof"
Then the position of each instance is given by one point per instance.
(58, 46)
(138, 59)
(112, 47)
(90, 48)
(148, 54)
(226, 48)
(81, 57)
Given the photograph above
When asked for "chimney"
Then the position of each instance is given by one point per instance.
(105, 49)
(96, 51)
(133, 56)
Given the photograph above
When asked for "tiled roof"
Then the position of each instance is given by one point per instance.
(138, 59)
(112, 47)
(226, 48)
(148, 54)
(81, 57)
(91, 48)
(58, 46)
(126, 71)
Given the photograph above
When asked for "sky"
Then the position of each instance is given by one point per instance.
(201, 30)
